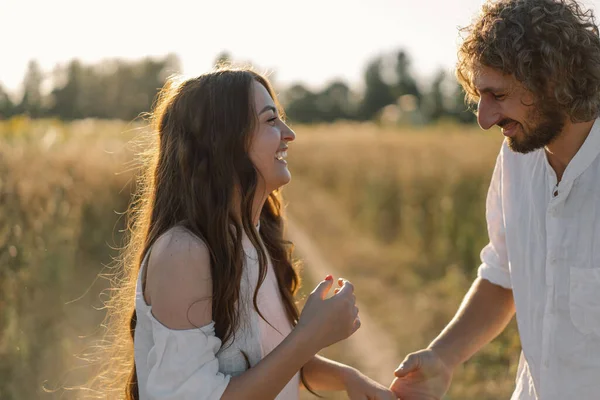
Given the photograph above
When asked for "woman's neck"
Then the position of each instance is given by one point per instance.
(257, 205)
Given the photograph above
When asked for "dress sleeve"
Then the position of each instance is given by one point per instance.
(183, 365)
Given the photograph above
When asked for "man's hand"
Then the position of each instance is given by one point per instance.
(422, 376)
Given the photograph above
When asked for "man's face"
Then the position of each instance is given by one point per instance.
(505, 102)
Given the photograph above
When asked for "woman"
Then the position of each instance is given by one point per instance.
(213, 279)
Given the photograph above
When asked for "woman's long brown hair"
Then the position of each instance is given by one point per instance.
(202, 129)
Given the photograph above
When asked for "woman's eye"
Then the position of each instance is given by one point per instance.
(272, 120)
(499, 96)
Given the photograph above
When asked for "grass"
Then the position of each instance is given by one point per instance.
(400, 212)
(402, 215)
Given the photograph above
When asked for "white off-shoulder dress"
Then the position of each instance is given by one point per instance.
(193, 364)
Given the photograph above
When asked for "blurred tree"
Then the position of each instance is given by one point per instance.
(171, 65)
(405, 83)
(6, 104)
(335, 102)
(68, 90)
(125, 89)
(460, 110)
(31, 102)
(434, 104)
(300, 104)
(110, 89)
(223, 58)
(378, 94)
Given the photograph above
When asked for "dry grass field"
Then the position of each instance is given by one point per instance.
(398, 211)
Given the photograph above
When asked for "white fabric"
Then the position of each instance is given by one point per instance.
(192, 364)
(547, 249)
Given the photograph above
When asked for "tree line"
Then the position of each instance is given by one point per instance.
(120, 89)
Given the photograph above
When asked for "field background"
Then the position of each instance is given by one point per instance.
(399, 211)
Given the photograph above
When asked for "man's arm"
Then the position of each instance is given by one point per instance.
(488, 306)
(484, 313)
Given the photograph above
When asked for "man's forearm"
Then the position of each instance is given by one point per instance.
(484, 313)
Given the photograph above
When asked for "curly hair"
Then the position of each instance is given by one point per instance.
(551, 46)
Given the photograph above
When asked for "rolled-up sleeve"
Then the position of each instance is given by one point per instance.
(182, 365)
(494, 260)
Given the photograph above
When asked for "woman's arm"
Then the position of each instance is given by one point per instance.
(319, 327)
(179, 288)
(267, 378)
(328, 375)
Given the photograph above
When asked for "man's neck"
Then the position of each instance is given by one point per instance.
(562, 150)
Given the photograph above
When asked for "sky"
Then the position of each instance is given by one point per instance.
(308, 41)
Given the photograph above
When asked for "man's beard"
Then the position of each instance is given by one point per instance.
(548, 121)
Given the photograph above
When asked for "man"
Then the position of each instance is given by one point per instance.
(533, 68)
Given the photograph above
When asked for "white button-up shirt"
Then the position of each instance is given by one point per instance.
(545, 246)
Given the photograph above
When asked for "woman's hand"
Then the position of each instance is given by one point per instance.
(330, 320)
(361, 387)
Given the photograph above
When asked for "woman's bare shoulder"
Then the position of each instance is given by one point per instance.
(178, 282)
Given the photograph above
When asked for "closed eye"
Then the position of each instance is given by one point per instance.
(499, 97)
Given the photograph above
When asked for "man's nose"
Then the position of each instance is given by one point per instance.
(487, 114)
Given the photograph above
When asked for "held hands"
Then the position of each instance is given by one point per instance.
(422, 376)
(330, 320)
(333, 319)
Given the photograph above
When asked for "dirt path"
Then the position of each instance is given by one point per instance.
(372, 347)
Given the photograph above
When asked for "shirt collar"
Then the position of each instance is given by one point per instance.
(585, 155)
